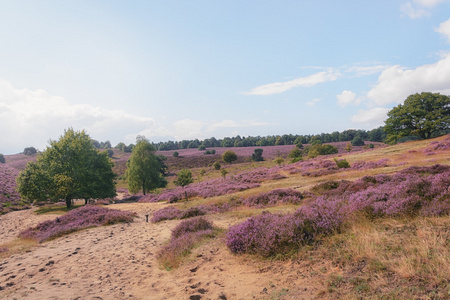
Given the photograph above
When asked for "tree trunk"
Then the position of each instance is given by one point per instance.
(143, 186)
(68, 202)
(185, 193)
(85, 201)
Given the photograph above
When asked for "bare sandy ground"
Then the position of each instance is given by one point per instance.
(119, 262)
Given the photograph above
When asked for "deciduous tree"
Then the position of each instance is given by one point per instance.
(184, 178)
(421, 115)
(144, 168)
(71, 168)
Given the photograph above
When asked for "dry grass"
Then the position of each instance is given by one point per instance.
(17, 246)
(389, 259)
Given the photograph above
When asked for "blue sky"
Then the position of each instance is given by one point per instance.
(173, 70)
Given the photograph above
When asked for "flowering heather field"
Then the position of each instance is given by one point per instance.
(414, 191)
(9, 198)
(77, 219)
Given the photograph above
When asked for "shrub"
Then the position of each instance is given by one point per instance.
(274, 197)
(175, 154)
(257, 156)
(229, 156)
(29, 151)
(183, 239)
(167, 213)
(224, 173)
(77, 219)
(202, 147)
(192, 225)
(357, 141)
(2, 158)
(342, 163)
(217, 165)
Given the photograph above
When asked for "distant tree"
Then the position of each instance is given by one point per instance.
(144, 168)
(202, 147)
(224, 173)
(229, 156)
(279, 160)
(184, 178)
(217, 165)
(2, 158)
(110, 153)
(342, 163)
(420, 115)
(257, 156)
(120, 146)
(357, 141)
(175, 154)
(295, 154)
(71, 168)
(29, 151)
(348, 148)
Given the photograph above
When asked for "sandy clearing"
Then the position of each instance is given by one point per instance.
(119, 262)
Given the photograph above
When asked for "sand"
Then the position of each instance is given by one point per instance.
(119, 262)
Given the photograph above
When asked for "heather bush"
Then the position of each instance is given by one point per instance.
(77, 219)
(190, 226)
(192, 212)
(274, 197)
(410, 192)
(3, 250)
(167, 213)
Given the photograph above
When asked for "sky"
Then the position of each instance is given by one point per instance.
(174, 70)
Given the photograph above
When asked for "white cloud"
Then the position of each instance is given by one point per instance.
(396, 83)
(429, 3)
(361, 70)
(188, 129)
(371, 118)
(280, 87)
(444, 29)
(420, 8)
(346, 98)
(414, 12)
(32, 117)
(312, 102)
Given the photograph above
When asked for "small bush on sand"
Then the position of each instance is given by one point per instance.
(184, 237)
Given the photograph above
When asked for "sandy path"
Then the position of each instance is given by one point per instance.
(119, 262)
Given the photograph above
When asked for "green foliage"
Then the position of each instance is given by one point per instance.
(357, 141)
(217, 165)
(257, 156)
(207, 152)
(420, 115)
(71, 168)
(224, 172)
(110, 153)
(318, 149)
(229, 156)
(2, 158)
(144, 168)
(202, 148)
(279, 160)
(296, 152)
(342, 163)
(29, 151)
(349, 147)
(175, 154)
(184, 178)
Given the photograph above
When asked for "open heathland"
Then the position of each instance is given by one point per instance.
(376, 228)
